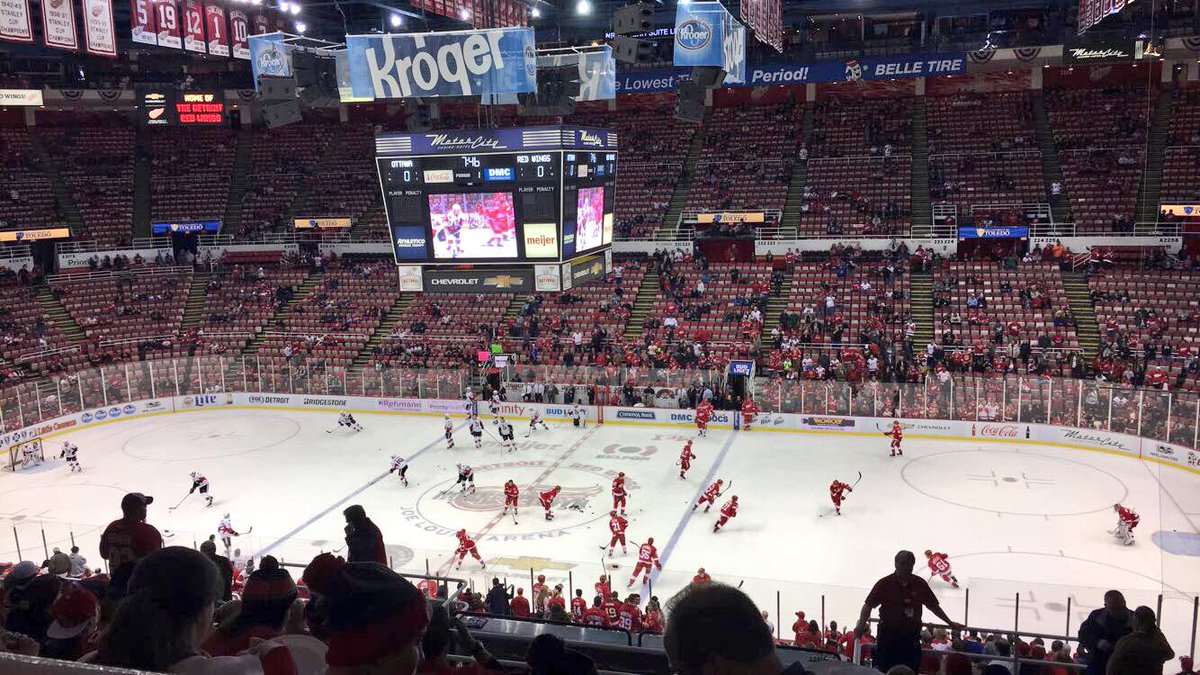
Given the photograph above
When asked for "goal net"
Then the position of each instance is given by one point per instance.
(29, 453)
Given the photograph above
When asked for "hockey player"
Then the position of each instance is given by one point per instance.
(225, 529)
(749, 412)
(506, 435)
(647, 556)
(30, 456)
(399, 464)
(629, 615)
(535, 418)
(547, 500)
(577, 413)
(685, 459)
(616, 525)
(703, 415)
(603, 587)
(729, 510)
(710, 495)
(701, 578)
(345, 419)
(511, 494)
(1127, 519)
(70, 452)
(897, 435)
(836, 491)
(477, 431)
(466, 477)
(199, 482)
(470, 405)
(594, 616)
(612, 609)
(494, 408)
(939, 565)
(618, 492)
(540, 593)
(467, 545)
(578, 606)
(448, 425)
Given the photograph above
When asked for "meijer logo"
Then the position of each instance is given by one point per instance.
(693, 35)
(455, 62)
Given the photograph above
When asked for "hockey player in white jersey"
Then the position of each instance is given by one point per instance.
(506, 435)
(400, 466)
(199, 482)
(578, 416)
(535, 418)
(70, 452)
(448, 425)
(477, 431)
(470, 405)
(345, 419)
(466, 478)
(225, 529)
(494, 407)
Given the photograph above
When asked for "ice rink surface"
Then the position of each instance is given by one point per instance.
(1015, 519)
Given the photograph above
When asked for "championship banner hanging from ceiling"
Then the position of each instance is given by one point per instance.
(766, 18)
(99, 31)
(58, 24)
(15, 22)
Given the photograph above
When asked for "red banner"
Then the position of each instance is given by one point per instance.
(99, 31)
(193, 27)
(766, 18)
(58, 24)
(217, 29)
(261, 24)
(170, 33)
(239, 29)
(141, 22)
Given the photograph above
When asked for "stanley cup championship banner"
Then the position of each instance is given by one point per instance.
(597, 72)
(459, 63)
(707, 35)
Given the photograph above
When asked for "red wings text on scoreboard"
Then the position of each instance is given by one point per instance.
(184, 108)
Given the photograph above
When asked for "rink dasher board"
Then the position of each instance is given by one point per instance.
(1167, 454)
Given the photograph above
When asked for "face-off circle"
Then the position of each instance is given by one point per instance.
(206, 440)
(1014, 483)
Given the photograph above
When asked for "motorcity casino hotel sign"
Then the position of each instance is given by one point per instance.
(897, 67)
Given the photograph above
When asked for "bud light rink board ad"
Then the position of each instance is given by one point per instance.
(503, 196)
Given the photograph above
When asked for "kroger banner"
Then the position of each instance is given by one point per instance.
(707, 35)
(459, 63)
(270, 56)
(597, 72)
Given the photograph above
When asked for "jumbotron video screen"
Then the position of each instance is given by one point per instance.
(537, 194)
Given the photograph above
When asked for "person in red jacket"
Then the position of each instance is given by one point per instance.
(519, 605)
(749, 412)
(701, 578)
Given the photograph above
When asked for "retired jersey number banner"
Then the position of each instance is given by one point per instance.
(170, 33)
(239, 30)
(217, 29)
(141, 22)
(459, 63)
(707, 35)
(99, 31)
(193, 26)
(58, 24)
(766, 18)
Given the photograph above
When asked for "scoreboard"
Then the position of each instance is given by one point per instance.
(533, 194)
(169, 107)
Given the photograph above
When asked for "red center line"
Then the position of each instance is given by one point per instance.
(550, 469)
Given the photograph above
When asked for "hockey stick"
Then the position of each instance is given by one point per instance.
(180, 502)
(741, 582)
(855, 482)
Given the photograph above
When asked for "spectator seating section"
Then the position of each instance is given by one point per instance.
(26, 196)
(281, 160)
(96, 164)
(1181, 166)
(847, 193)
(189, 173)
(845, 127)
(747, 158)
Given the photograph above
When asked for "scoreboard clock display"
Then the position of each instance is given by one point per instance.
(498, 195)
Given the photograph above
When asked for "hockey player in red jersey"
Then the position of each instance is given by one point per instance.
(618, 492)
(467, 545)
(939, 565)
(647, 556)
(653, 623)
(616, 525)
(703, 415)
(511, 493)
(603, 587)
(629, 616)
(547, 500)
(611, 606)
(749, 412)
(710, 495)
(897, 435)
(1127, 519)
(836, 491)
(685, 459)
(578, 606)
(701, 578)
(540, 593)
(729, 510)
(594, 616)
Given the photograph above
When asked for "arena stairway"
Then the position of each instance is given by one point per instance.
(305, 288)
(67, 208)
(1087, 328)
(1051, 168)
(238, 179)
(921, 301)
(775, 306)
(643, 303)
(141, 183)
(58, 314)
(789, 226)
(670, 224)
(193, 308)
(922, 214)
(1151, 188)
(386, 325)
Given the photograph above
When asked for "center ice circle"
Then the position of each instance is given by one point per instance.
(1016, 483)
(206, 438)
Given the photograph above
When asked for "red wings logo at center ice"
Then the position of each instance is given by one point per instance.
(492, 499)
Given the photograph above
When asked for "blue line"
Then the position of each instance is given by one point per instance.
(687, 515)
(343, 500)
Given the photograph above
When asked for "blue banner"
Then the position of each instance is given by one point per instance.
(597, 72)
(993, 233)
(708, 35)
(270, 56)
(193, 226)
(460, 63)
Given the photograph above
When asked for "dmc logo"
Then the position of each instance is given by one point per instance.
(86, 418)
(128, 410)
(635, 415)
(270, 61)
(693, 35)
(101, 415)
(681, 417)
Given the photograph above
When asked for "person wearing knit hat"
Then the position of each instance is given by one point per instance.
(266, 599)
(374, 619)
(73, 632)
